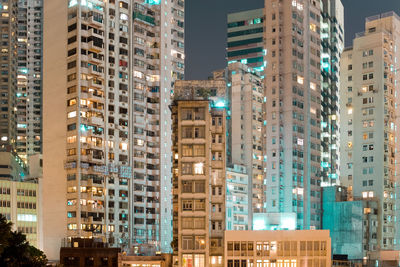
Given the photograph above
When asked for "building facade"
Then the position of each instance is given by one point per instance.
(19, 197)
(118, 61)
(237, 201)
(277, 248)
(198, 182)
(29, 78)
(368, 104)
(245, 38)
(332, 42)
(352, 224)
(246, 130)
(293, 110)
(8, 82)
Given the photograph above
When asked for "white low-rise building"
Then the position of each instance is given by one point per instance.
(304, 248)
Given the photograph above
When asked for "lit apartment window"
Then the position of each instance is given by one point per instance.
(300, 79)
(199, 168)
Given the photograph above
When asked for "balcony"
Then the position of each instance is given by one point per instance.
(94, 48)
(96, 121)
(92, 83)
(97, 98)
(95, 22)
(95, 71)
(95, 34)
(94, 59)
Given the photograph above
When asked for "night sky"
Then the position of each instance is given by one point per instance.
(205, 28)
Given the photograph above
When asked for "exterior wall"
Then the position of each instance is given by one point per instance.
(237, 203)
(199, 183)
(29, 74)
(277, 248)
(96, 257)
(344, 220)
(8, 84)
(332, 41)
(120, 60)
(164, 260)
(246, 130)
(19, 203)
(369, 128)
(245, 38)
(54, 127)
(293, 110)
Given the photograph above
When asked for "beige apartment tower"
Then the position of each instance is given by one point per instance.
(293, 111)
(109, 67)
(246, 130)
(369, 123)
(198, 182)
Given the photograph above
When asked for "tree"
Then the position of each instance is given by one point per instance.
(5, 233)
(15, 251)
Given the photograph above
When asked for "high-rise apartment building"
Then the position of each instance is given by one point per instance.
(369, 121)
(8, 76)
(107, 124)
(332, 41)
(246, 38)
(29, 75)
(246, 129)
(240, 90)
(293, 110)
(198, 181)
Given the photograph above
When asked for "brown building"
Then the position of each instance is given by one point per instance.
(198, 136)
(87, 252)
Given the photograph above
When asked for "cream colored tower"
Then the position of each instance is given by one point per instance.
(293, 110)
(369, 122)
(109, 67)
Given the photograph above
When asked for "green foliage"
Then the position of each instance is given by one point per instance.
(15, 251)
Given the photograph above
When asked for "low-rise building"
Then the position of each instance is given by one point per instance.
(352, 223)
(277, 248)
(82, 252)
(19, 197)
(163, 260)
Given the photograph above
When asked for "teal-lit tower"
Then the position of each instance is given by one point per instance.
(245, 38)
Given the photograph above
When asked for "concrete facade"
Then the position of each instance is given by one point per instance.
(277, 248)
(199, 185)
(369, 121)
(107, 125)
(29, 75)
(237, 201)
(293, 110)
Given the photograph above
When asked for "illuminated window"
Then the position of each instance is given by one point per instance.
(124, 146)
(313, 27)
(300, 79)
(350, 144)
(71, 139)
(72, 114)
(199, 168)
(123, 16)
